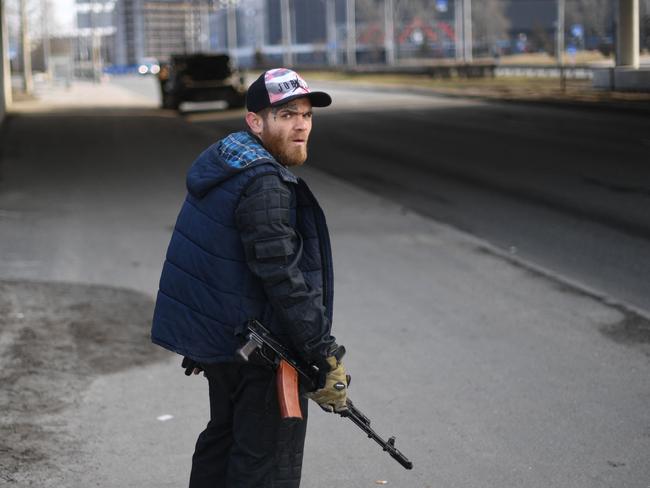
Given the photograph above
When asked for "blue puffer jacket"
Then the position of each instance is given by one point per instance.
(250, 242)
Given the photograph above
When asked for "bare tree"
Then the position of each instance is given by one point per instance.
(407, 10)
(370, 10)
(541, 40)
(371, 27)
(489, 23)
(594, 15)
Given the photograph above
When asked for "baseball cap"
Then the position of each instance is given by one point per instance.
(279, 86)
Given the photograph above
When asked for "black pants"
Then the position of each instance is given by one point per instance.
(246, 443)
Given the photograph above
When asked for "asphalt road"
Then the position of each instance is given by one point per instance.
(490, 372)
(566, 189)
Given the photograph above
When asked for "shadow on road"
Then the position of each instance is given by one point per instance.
(57, 338)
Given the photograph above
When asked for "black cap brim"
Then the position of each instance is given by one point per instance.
(317, 99)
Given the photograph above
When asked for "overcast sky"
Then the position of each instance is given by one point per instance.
(64, 15)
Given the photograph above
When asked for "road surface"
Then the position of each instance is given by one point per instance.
(491, 371)
(566, 189)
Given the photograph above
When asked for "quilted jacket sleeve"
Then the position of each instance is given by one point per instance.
(270, 244)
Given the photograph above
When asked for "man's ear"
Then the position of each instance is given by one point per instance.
(255, 123)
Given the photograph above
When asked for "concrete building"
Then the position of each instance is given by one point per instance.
(128, 31)
(122, 33)
(129, 36)
(174, 27)
(96, 29)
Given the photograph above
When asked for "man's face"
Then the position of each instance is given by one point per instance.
(285, 131)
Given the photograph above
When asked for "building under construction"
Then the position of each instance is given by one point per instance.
(124, 32)
(160, 28)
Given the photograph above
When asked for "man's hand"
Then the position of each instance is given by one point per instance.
(191, 366)
(334, 394)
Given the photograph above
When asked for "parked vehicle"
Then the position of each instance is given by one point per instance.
(200, 78)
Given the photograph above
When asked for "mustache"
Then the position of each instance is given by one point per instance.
(284, 152)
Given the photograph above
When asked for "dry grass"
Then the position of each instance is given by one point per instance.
(581, 57)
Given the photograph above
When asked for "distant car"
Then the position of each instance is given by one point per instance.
(200, 78)
(149, 66)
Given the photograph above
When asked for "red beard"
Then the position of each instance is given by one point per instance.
(284, 152)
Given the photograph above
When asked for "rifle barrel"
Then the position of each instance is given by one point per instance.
(361, 421)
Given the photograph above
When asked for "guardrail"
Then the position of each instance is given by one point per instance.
(470, 70)
(443, 70)
(576, 72)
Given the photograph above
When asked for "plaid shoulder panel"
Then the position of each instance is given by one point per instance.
(241, 149)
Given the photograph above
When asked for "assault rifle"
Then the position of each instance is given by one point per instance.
(289, 370)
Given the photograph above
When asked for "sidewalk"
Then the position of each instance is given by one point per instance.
(488, 372)
(80, 94)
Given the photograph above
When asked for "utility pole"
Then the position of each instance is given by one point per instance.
(28, 82)
(96, 47)
(231, 18)
(559, 47)
(389, 32)
(190, 26)
(458, 30)
(468, 54)
(559, 33)
(285, 19)
(262, 16)
(5, 68)
(463, 26)
(47, 48)
(352, 33)
(330, 27)
(205, 27)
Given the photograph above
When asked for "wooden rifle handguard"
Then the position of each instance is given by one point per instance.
(288, 396)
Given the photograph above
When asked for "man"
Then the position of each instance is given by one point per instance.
(251, 242)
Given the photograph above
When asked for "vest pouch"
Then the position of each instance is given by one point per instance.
(278, 248)
(274, 248)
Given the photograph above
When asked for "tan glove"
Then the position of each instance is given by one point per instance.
(333, 396)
